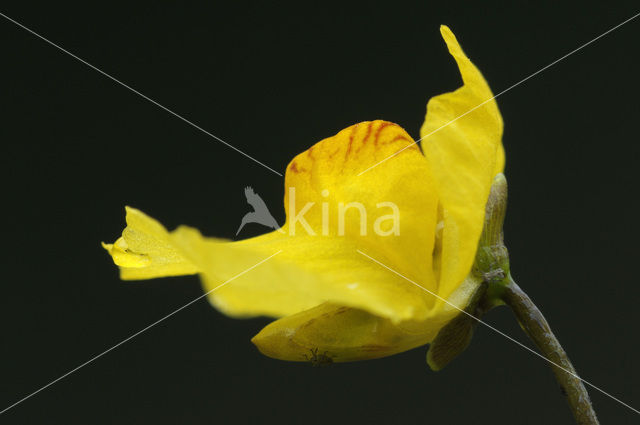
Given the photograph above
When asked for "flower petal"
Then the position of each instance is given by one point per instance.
(144, 250)
(306, 271)
(329, 175)
(348, 334)
(317, 258)
(341, 333)
(462, 141)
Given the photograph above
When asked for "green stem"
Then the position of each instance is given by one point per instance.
(537, 328)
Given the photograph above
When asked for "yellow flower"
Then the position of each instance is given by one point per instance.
(368, 193)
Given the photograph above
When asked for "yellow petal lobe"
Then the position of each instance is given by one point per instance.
(342, 334)
(461, 139)
(144, 250)
(346, 334)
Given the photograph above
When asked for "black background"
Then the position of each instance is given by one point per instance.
(272, 80)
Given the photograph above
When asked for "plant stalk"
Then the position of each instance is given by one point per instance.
(537, 328)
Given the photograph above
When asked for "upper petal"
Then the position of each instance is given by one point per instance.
(461, 139)
(343, 213)
(330, 175)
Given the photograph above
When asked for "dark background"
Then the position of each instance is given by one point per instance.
(77, 147)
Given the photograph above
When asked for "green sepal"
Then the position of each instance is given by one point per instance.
(456, 335)
(490, 270)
